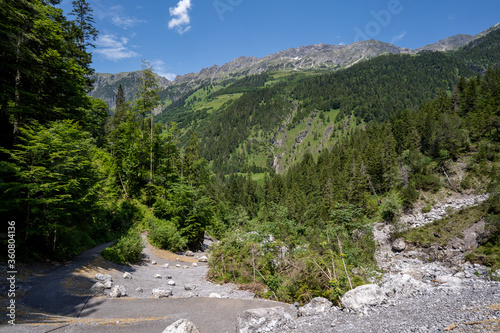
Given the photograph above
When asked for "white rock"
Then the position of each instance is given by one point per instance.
(195, 264)
(103, 277)
(178, 266)
(157, 276)
(171, 283)
(108, 284)
(367, 295)
(189, 254)
(182, 326)
(127, 275)
(165, 265)
(397, 285)
(177, 259)
(117, 291)
(203, 259)
(153, 262)
(317, 306)
(139, 290)
(264, 320)
(215, 295)
(161, 292)
(185, 267)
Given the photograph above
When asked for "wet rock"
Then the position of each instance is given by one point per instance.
(182, 326)
(264, 320)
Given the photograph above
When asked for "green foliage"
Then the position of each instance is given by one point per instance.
(127, 250)
(391, 207)
(164, 234)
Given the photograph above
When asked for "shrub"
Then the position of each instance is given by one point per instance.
(426, 209)
(126, 250)
(164, 234)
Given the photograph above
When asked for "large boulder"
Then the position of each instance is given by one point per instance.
(264, 320)
(182, 326)
(117, 291)
(397, 285)
(317, 306)
(367, 295)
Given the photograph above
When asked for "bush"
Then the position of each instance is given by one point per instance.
(391, 206)
(126, 250)
(164, 234)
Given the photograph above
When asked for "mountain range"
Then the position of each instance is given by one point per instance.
(321, 57)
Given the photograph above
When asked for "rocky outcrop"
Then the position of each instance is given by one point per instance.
(182, 326)
(264, 320)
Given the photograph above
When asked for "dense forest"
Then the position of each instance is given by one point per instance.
(72, 175)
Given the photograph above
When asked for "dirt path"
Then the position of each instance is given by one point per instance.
(50, 305)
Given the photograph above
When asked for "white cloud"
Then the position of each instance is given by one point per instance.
(113, 47)
(180, 15)
(162, 70)
(397, 38)
(125, 22)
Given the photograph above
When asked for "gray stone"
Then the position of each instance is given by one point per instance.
(127, 275)
(189, 254)
(108, 284)
(317, 306)
(117, 291)
(139, 290)
(203, 259)
(264, 320)
(161, 292)
(399, 245)
(103, 277)
(97, 288)
(367, 295)
(182, 326)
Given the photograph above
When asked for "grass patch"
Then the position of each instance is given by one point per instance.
(440, 231)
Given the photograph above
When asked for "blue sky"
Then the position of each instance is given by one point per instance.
(182, 36)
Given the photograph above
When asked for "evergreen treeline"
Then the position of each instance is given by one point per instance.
(322, 208)
(71, 176)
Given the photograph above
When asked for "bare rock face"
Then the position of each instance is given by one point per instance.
(182, 326)
(264, 320)
(367, 295)
(399, 245)
(317, 306)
